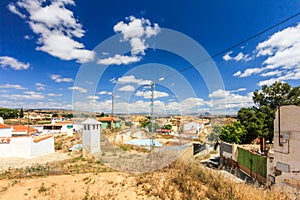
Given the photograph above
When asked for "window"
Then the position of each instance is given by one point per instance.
(93, 126)
(84, 127)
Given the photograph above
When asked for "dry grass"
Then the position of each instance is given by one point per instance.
(181, 180)
(76, 165)
(192, 181)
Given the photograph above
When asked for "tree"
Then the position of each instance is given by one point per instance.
(253, 121)
(168, 126)
(144, 124)
(216, 132)
(277, 94)
(259, 120)
(69, 115)
(233, 133)
(21, 113)
(7, 113)
(270, 98)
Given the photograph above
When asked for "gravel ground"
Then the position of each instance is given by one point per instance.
(15, 162)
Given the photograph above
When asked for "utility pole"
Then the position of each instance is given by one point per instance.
(28, 122)
(112, 104)
(112, 110)
(152, 115)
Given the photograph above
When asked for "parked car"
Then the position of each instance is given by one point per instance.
(76, 147)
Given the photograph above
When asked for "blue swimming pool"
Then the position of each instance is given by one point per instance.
(144, 142)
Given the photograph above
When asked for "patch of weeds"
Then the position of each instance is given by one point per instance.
(213, 152)
(206, 157)
(38, 170)
(42, 188)
(87, 180)
(3, 189)
(14, 182)
(87, 194)
(126, 147)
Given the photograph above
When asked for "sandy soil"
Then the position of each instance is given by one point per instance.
(110, 185)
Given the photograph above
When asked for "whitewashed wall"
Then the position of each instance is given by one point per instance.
(5, 132)
(42, 147)
(287, 156)
(25, 147)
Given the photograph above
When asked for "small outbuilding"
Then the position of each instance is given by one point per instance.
(91, 136)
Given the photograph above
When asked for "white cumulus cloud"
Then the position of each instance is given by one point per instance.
(119, 60)
(56, 27)
(93, 97)
(148, 94)
(239, 57)
(126, 88)
(132, 79)
(40, 86)
(57, 78)
(26, 95)
(80, 89)
(13, 86)
(281, 53)
(104, 93)
(135, 31)
(54, 95)
(6, 61)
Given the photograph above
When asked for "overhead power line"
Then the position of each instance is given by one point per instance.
(236, 44)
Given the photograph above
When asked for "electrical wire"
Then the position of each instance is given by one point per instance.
(234, 46)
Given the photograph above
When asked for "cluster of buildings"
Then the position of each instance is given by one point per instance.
(280, 165)
(34, 140)
(21, 141)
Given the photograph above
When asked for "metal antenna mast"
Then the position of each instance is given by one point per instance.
(112, 104)
(152, 114)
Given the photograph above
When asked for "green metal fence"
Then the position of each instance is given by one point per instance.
(254, 162)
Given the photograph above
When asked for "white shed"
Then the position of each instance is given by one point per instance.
(91, 136)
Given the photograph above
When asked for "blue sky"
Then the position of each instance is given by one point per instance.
(74, 54)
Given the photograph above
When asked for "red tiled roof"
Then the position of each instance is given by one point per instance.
(4, 126)
(22, 128)
(108, 119)
(40, 138)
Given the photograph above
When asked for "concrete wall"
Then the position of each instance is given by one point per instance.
(228, 153)
(25, 147)
(286, 144)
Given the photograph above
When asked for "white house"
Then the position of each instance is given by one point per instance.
(192, 127)
(284, 159)
(58, 119)
(5, 131)
(23, 147)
